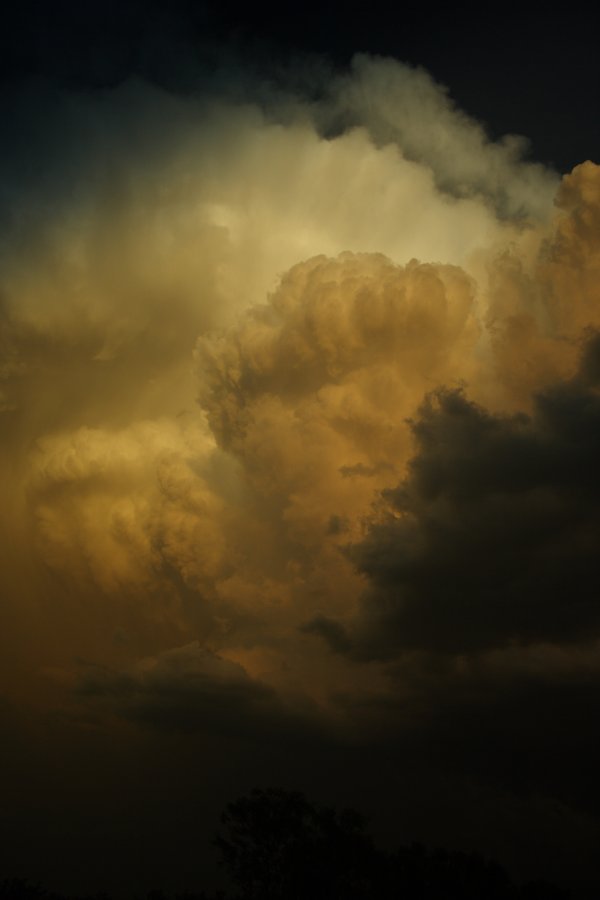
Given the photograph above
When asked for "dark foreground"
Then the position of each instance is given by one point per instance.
(275, 845)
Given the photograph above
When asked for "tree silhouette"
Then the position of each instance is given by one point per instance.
(20, 889)
(277, 845)
(421, 874)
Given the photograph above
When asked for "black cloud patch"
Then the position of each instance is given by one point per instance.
(493, 537)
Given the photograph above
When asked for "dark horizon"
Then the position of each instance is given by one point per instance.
(277, 845)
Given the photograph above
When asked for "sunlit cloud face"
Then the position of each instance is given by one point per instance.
(299, 406)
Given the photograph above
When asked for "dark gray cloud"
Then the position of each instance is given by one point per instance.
(492, 538)
(189, 689)
(518, 720)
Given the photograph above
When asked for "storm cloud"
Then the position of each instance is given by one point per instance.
(491, 538)
(300, 410)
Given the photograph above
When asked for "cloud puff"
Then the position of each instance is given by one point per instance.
(312, 389)
(542, 296)
(402, 105)
(120, 506)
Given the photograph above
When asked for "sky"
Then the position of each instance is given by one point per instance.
(299, 430)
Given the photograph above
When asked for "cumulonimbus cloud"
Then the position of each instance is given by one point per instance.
(220, 322)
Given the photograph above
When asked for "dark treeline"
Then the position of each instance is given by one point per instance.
(275, 845)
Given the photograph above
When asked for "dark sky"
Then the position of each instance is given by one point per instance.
(517, 68)
(299, 430)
